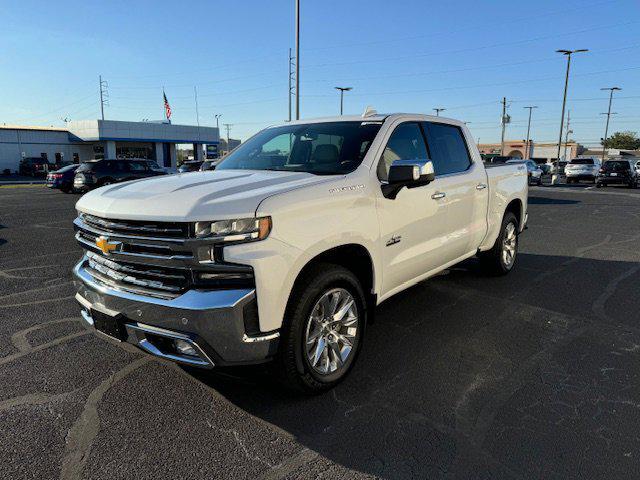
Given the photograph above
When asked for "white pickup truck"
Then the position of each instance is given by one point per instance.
(283, 252)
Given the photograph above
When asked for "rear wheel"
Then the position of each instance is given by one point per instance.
(323, 329)
(502, 256)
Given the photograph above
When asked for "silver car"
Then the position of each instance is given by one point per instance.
(534, 170)
(586, 168)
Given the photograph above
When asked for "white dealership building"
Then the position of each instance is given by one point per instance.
(89, 139)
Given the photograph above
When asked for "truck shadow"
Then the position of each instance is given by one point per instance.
(464, 376)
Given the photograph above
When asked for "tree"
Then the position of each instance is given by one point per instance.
(623, 141)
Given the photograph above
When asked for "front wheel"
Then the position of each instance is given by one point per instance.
(502, 256)
(323, 329)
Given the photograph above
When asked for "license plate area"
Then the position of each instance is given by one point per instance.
(109, 325)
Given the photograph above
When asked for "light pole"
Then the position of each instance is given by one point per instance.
(438, 110)
(342, 90)
(527, 147)
(606, 128)
(217, 117)
(567, 53)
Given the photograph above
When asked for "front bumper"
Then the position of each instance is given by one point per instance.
(211, 321)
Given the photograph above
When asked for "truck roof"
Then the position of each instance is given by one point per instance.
(376, 117)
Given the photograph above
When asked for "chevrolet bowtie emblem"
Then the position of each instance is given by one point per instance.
(105, 245)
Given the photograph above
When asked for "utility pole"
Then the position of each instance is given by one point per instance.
(527, 145)
(104, 94)
(608, 114)
(195, 96)
(297, 59)
(566, 137)
(290, 79)
(555, 179)
(504, 124)
(342, 90)
(228, 127)
(438, 110)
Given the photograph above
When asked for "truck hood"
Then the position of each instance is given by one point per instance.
(195, 196)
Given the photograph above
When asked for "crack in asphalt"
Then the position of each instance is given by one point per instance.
(19, 339)
(85, 429)
(53, 343)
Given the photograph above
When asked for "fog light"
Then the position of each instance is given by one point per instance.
(183, 347)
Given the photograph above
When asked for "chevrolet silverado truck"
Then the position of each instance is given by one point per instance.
(282, 253)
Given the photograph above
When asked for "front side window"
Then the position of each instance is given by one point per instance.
(448, 148)
(330, 148)
(406, 143)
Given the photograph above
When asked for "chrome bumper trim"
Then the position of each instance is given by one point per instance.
(261, 338)
(204, 361)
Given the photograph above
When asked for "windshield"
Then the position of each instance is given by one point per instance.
(616, 166)
(581, 161)
(330, 148)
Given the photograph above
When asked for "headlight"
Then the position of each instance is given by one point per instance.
(242, 229)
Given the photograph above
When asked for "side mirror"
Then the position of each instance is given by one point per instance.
(407, 173)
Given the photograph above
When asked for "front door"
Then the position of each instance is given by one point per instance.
(412, 226)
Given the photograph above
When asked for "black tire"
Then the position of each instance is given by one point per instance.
(492, 261)
(292, 365)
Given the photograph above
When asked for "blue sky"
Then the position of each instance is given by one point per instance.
(398, 56)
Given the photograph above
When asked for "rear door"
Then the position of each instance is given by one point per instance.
(412, 226)
(463, 180)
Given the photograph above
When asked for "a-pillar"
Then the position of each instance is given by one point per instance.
(110, 149)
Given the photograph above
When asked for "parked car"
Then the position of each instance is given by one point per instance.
(637, 166)
(190, 166)
(533, 170)
(62, 179)
(34, 167)
(618, 172)
(97, 173)
(586, 168)
(283, 252)
(209, 165)
(545, 167)
(563, 164)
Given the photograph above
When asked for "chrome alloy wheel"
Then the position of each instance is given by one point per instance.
(331, 331)
(509, 245)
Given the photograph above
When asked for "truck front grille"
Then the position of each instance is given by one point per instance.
(155, 281)
(153, 258)
(137, 228)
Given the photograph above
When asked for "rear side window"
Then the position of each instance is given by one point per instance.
(448, 148)
(406, 143)
(137, 167)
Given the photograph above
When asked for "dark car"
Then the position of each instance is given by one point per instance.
(34, 167)
(190, 166)
(62, 179)
(617, 172)
(97, 173)
(209, 165)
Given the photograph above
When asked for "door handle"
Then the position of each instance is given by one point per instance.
(481, 186)
(438, 195)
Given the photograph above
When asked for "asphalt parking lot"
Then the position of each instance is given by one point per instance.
(533, 375)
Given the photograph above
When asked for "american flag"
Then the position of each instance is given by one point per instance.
(167, 107)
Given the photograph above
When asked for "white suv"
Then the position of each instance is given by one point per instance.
(582, 168)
